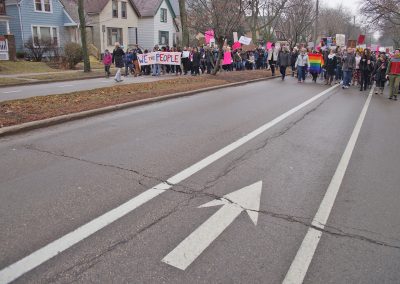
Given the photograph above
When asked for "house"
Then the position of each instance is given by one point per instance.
(38, 20)
(107, 22)
(157, 25)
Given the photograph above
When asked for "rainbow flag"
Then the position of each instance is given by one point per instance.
(315, 62)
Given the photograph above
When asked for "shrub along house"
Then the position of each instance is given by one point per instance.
(38, 20)
(157, 25)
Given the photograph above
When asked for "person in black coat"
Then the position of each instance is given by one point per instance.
(330, 66)
(118, 60)
(196, 62)
(380, 74)
(366, 67)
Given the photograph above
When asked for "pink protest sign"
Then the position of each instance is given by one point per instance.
(209, 35)
(269, 45)
(227, 58)
(236, 45)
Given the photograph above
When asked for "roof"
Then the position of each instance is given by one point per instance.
(91, 7)
(149, 8)
(71, 8)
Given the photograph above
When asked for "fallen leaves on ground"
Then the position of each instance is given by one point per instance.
(37, 108)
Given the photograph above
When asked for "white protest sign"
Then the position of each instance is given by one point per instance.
(165, 58)
(340, 40)
(185, 54)
(235, 37)
(245, 40)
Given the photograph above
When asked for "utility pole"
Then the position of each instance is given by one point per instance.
(82, 20)
(316, 23)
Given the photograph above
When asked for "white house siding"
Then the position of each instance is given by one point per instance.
(108, 21)
(169, 26)
(146, 33)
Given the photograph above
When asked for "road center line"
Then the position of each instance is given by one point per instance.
(40, 256)
(299, 267)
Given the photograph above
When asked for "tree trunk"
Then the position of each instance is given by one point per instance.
(82, 20)
(220, 42)
(185, 31)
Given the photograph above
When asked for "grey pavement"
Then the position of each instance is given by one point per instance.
(54, 180)
(27, 91)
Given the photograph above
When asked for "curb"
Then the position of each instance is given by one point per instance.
(16, 129)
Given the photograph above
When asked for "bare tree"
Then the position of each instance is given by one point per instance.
(222, 16)
(382, 11)
(296, 22)
(82, 20)
(264, 15)
(183, 16)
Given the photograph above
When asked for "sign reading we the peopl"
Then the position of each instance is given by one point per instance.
(165, 58)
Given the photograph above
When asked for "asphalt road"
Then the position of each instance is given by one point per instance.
(56, 180)
(27, 91)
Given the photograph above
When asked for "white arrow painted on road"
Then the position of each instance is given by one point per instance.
(246, 199)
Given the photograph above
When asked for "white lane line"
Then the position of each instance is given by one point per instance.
(64, 86)
(40, 256)
(11, 92)
(299, 267)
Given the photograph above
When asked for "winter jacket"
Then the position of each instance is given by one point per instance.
(284, 59)
(349, 62)
(196, 58)
(107, 59)
(380, 70)
(273, 54)
(117, 57)
(330, 64)
(364, 66)
(302, 60)
(293, 58)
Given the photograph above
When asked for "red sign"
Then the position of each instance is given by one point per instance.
(361, 39)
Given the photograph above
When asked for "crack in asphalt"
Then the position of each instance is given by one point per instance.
(250, 153)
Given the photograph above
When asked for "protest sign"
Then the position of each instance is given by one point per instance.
(340, 40)
(245, 40)
(235, 37)
(185, 54)
(236, 45)
(165, 58)
(209, 35)
(269, 45)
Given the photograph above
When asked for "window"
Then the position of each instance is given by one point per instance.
(2, 7)
(43, 6)
(163, 38)
(123, 10)
(114, 35)
(115, 9)
(163, 15)
(45, 33)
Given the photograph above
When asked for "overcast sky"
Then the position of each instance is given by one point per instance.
(353, 5)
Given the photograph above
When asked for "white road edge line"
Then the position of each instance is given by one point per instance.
(64, 86)
(10, 92)
(42, 255)
(299, 267)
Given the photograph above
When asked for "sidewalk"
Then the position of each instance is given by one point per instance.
(23, 75)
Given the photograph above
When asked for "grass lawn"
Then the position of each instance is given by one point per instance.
(20, 67)
(37, 108)
(10, 81)
(94, 64)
